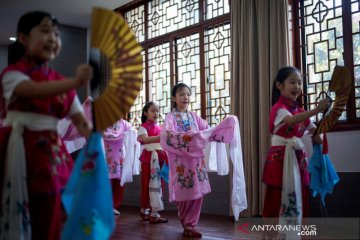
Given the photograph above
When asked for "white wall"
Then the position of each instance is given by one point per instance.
(344, 150)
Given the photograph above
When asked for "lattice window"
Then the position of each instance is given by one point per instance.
(136, 110)
(215, 8)
(168, 16)
(180, 45)
(325, 40)
(217, 63)
(187, 67)
(135, 19)
(159, 77)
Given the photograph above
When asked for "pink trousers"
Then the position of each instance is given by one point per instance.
(189, 212)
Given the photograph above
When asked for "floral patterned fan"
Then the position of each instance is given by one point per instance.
(340, 83)
(112, 37)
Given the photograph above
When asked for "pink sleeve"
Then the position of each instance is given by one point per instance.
(127, 125)
(169, 123)
(71, 132)
(189, 144)
(202, 124)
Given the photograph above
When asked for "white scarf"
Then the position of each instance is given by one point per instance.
(291, 197)
(15, 192)
(131, 148)
(155, 190)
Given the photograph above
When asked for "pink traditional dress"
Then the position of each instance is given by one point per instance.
(71, 137)
(152, 159)
(184, 137)
(285, 172)
(122, 153)
(37, 163)
(121, 148)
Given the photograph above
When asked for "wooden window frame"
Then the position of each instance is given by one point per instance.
(199, 27)
(352, 123)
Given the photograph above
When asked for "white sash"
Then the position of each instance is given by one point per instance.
(15, 193)
(131, 148)
(155, 190)
(291, 197)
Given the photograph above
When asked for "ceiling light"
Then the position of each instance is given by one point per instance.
(12, 39)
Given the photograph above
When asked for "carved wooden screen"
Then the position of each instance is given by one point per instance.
(135, 19)
(136, 109)
(329, 36)
(184, 41)
(187, 67)
(168, 16)
(159, 77)
(217, 72)
(215, 8)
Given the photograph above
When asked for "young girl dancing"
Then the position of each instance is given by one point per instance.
(152, 159)
(285, 173)
(192, 182)
(122, 152)
(34, 97)
(184, 137)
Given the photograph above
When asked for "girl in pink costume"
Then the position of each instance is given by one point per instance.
(122, 154)
(193, 148)
(33, 98)
(188, 179)
(285, 173)
(152, 159)
(121, 148)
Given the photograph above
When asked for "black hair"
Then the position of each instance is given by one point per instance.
(281, 76)
(26, 23)
(15, 52)
(177, 88)
(145, 109)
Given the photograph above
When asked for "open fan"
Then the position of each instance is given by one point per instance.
(87, 197)
(340, 83)
(323, 173)
(115, 41)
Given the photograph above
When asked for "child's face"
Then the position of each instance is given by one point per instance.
(182, 98)
(152, 113)
(43, 42)
(291, 88)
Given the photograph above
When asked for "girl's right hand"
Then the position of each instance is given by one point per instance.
(317, 139)
(84, 73)
(323, 104)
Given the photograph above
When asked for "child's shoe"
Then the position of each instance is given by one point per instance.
(158, 219)
(191, 233)
(144, 216)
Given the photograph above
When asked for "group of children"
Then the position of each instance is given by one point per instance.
(34, 98)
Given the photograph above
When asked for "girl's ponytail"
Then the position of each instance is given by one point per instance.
(15, 52)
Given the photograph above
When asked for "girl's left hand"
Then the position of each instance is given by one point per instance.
(317, 139)
(83, 125)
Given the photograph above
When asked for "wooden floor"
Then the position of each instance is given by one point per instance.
(129, 226)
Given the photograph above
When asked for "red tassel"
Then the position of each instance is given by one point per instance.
(325, 149)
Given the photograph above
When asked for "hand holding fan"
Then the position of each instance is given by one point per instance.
(87, 197)
(323, 173)
(340, 83)
(113, 38)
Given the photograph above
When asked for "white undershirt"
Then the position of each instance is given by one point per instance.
(147, 146)
(281, 114)
(12, 78)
